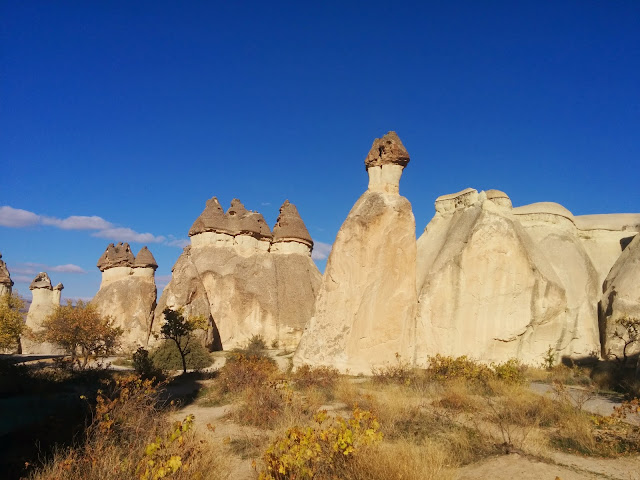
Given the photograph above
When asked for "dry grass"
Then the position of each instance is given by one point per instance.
(402, 459)
(130, 438)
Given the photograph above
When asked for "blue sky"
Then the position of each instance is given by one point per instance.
(137, 112)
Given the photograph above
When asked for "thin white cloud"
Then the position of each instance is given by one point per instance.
(17, 218)
(31, 268)
(21, 279)
(321, 250)
(78, 222)
(128, 235)
(177, 242)
(162, 280)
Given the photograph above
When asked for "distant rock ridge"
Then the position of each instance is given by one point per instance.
(6, 284)
(243, 278)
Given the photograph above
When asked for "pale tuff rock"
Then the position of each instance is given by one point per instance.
(289, 227)
(485, 290)
(45, 299)
(128, 292)
(553, 231)
(6, 283)
(230, 275)
(620, 298)
(365, 309)
(604, 237)
(497, 282)
(499, 198)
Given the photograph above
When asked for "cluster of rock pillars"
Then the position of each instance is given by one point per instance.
(484, 279)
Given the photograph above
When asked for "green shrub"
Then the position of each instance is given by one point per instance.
(167, 356)
(143, 364)
(511, 371)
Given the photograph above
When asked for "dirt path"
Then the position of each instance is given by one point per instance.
(599, 404)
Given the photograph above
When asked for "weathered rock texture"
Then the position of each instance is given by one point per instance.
(620, 298)
(497, 282)
(128, 292)
(6, 283)
(244, 279)
(45, 299)
(365, 309)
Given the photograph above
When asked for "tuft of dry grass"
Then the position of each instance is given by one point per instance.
(402, 459)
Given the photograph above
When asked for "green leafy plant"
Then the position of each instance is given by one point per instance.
(179, 330)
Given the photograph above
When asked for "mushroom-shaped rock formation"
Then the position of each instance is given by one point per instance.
(42, 280)
(620, 300)
(45, 299)
(119, 255)
(364, 313)
(290, 228)
(385, 162)
(212, 219)
(128, 292)
(145, 259)
(387, 150)
(241, 286)
(245, 222)
(6, 283)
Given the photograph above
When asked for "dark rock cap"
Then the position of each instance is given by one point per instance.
(387, 150)
(5, 277)
(59, 286)
(246, 222)
(212, 219)
(290, 227)
(145, 259)
(42, 280)
(116, 256)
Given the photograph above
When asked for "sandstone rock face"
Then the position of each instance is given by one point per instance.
(485, 290)
(45, 300)
(604, 236)
(6, 283)
(620, 298)
(128, 292)
(364, 313)
(243, 279)
(497, 282)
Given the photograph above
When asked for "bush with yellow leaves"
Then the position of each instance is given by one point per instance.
(322, 450)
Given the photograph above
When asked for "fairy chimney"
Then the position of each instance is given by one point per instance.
(385, 162)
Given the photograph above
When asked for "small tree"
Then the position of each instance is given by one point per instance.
(179, 330)
(81, 331)
(627, 330)
(11, 321)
